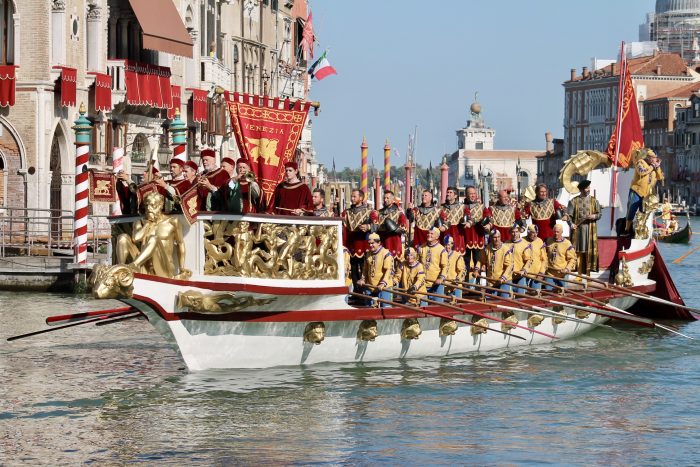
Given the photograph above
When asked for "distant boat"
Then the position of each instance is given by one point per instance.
(682, 235)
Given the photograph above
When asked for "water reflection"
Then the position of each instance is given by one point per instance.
(118, 394)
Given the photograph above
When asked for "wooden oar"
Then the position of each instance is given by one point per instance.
(53, 320)
(431, 313)
(597, 309)
(639, 295)
(538, 310)
(681, 258)
(464, 310)
(85, 321)
(620, 310)
(138, 314)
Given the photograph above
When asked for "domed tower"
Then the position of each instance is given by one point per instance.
(476, 135)
(676, 25)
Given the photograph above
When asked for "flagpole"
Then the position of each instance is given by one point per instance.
(620, 91)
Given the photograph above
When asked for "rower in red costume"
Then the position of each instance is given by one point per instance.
(504, 215)
(212, 178)
(426, 216)
(478, 223)
(250, 190)
(292, 196)
(544, 212)
(391, 223)
(454, 214)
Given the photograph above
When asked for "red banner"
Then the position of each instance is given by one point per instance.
(7, 85)
(267, 133)
(189, 201)
(199, 105)
(102, 187)
(103, 91)
(628, 125)
(69, 79)
(143, 190)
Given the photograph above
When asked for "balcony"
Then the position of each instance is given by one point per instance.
(115, 69)
(215, 73)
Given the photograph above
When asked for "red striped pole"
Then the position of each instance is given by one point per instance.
(364, 167)
(83, 130)
(387, 166)
(117, 166)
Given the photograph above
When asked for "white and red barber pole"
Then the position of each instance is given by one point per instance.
(83, 130)
(180, 152)
(117, 166)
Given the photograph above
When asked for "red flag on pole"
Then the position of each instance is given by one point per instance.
(628, 130)
(307, 37)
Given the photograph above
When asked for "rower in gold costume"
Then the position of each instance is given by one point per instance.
(411, 276)
(434, 259)
(496, 261)
(561, 257)
(455, 267)
(522, 258)
(377, 270)
(539, 256)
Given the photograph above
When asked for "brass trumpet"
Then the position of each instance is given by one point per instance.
(249, 177)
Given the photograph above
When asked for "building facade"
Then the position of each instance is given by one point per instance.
(590, 99)
(675, 27)
(205, 46)
(550, 163)
(476, 163)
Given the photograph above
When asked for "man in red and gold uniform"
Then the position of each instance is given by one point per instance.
(292, 196)
(478, 223)
(504, 215)
(211, 179)
(391, 224)
(426, 216)
(318, 197)
(544, 212)
(356, 225)
(455, 215)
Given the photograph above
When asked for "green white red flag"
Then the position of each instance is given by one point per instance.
(322, 68)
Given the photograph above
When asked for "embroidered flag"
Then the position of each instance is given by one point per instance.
(189, 202)
(628, 125)
(102, 187)
(307, 37)
(322, 68)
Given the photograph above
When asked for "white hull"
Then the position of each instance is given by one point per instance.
(234, 344)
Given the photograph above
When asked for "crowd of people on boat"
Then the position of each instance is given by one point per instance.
(428, 249)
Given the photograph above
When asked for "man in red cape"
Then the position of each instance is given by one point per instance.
(292, 196)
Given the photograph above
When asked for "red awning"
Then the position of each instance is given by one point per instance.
(7, 85)
(176, 101)
(103, 91)
(162, 26)
(69, 79)
(199, 105)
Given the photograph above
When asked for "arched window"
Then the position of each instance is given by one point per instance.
(140, 150)
(7, 32)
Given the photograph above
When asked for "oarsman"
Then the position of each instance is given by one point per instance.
(478, 223)
(666, 213)
(411, 276)
(504, 215)
(584, 212)
(227, 196)
(433, 257)
(249, 188)
(647, 172)
(377, 270)
(356, 225)
(561, 258)
(544, 212)
(292, 196)
(425, 217)
(539, 257)
(391, 224)
(522, 258)
(455, 215)
(496, 262)
(318, 197)
(456, 271)
(211, 179)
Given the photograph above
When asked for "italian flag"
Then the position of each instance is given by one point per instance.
(321, 68)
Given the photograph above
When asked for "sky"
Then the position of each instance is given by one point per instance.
(408, 63)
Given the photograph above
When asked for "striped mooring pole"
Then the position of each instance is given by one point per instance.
(83, 130)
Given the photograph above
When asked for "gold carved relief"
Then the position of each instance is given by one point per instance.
(218, 302)
(623, 277)
(315, 332)
(646, 266)
(367, 330)
(448, 327)
(410, 329)
(271, 251)
(112, 281)
(481, 326)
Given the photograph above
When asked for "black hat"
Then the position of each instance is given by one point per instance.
(583, 184)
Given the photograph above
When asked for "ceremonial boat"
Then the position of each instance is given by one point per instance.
(681, 235)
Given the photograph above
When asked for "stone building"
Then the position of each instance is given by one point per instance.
(675, 27)
(192, 46)
(590, 99)
(550, 163)
(476, 162)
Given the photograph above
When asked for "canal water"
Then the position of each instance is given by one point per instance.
(116, 394)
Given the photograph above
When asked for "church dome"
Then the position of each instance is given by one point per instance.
(665, 6)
